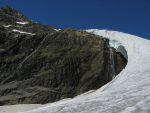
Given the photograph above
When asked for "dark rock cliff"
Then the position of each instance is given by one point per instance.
(51, 65)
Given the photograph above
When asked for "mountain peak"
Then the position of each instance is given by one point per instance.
(8, 10)
(9, 15)
(16, 21)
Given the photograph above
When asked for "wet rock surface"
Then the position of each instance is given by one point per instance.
(52, 65)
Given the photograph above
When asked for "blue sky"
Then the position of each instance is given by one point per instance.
(130, 16)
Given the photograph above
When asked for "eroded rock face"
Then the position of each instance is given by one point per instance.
(51, 65)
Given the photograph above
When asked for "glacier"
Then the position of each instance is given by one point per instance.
(126, 93)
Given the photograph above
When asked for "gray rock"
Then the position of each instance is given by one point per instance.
(51, 65)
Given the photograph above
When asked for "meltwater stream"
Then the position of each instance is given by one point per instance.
(112, 63)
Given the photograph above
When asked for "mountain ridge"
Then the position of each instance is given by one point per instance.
(39, 64)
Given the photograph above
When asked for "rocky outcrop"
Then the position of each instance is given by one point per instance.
(52, 65)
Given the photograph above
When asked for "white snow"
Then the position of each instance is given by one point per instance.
(129, 92)
(112, 42)
(22, 32)
(22, 107)
(57, 29)
(22, 23)
(7, 26)
(115, 44)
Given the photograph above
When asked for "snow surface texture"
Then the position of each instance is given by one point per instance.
(17, 108)
(129, 92)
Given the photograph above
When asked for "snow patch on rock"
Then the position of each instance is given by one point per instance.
(22, 32)
(7, 26)
(57, 29)
(22, 23)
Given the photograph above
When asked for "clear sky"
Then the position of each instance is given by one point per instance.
(130, 16)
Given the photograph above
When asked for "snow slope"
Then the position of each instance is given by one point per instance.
(129, 92)
(17, 108)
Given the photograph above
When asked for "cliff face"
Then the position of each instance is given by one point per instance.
(48, 65)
